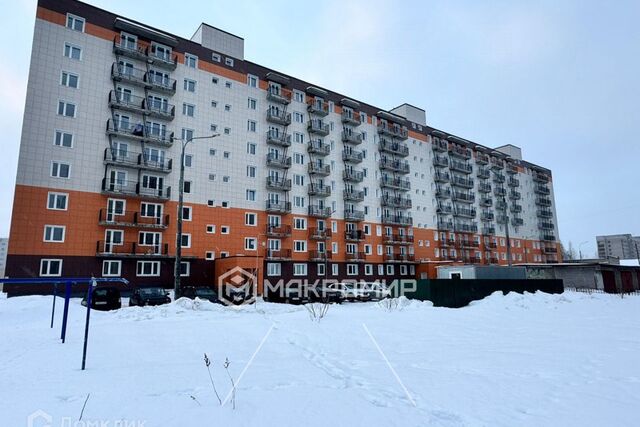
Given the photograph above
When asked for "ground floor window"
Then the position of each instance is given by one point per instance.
(274, 269)
(352, 269)
(321, 269)
(50, 267)
(148, 268)
(111, 268)
(403, 270)
(299, 269)
(391, 270)
(368, 269)
(185, 269)
(335, 269)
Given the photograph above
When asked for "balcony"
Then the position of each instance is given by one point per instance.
(443, 192)
(278, 138)
(316, 255)
(353, 215)
(162, 58)
(350, 175)
(319, 169)
(350, 195)
(499, 192)
(277, 161)
(458, 151)
(499, 178)
(355, 256)
(462, 227)
(395, 183)
(352, 156)
(131, 249)
(484, 188)
(440, 161)
(546, 225)
(490, 231)
(487, 215)
(318, 211)
(278, 254)
(319, 233)
(397, 219)
(318, 147)
(393, 165)
(131, 219)
(544, 213)
(482, 158)
(497, 163)
(459, 181)
(318, 107)
(161, 83)
(134, 189)
(445, 225)
(550, 237)
(397, 239)
(129, 75)
(445, 209)
(136, 160)
(542, 189)
(464, 212)
(491, 244)
(129, 49)
(277, 183)
(318, 127)
(484, 173)
(318, 190)
(393, 130)
(463, 167)
(501, 205)
(486, 201)
(515, 195)
(278, 231)
(517, 222)
(543, 201)
(513, 182)
(277, 206)
(511, 168)
(441, 176)
(354, 235)
(126, 102)
(440, 145)
(351, 137)
(396, 202)
(350, 117)
(138, 132)
(549, 249)
(158, 108)
(516, 208)
(540, 177)
(397, 148)
(279, 95)
(279, 117)
(468, 244)
(399, 257)
(465, 197)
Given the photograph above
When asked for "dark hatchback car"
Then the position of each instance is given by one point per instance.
(202, 292)
(105, 299)
(149, 296)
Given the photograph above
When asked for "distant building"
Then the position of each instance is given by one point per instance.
(4, 244)
(621, 246)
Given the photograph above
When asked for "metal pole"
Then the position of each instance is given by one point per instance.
(92, 286)
(53, 308)
(176, 271)
(65, 312)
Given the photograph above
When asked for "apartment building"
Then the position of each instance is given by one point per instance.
(621, 246)
(307, 182)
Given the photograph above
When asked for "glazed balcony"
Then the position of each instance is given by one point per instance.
(440, 145)
(544, 213)
(398, 166)
(543, 201)
(319, 233)
(318, 127)
(462, 227)
(443, 192)
(278, 231)
(131, 249)
(486, 201)
(499, 192)
(459, 166)
(352, 156)
(278, 161)
(318, 190)
(356, 256)
(350, 175)
(318, 147)
(441, 176)
(540, 177)
(497, 163)
(393, 130)
(465, 197)
(546, 225)
(279, 95)
(136, 160)
(549, 237)
(444, 208)
(440, 161)
(278, 183)
(396, 202)
(484, 188)
(391, 219)
(399, 257)
(462, 182)
(278, 138)
(542, 189)
(353, 195)
(397, 148)
(138, 132)
(397, 239)
(134, 189)
(318, 107)
(316, 255)
(131, 219)
(318, 211)
(464, 212)
(350, 117)
(515, 195)
(354, 235)
(517, 222)
(482, 158)
(515, 208)
(460, 152)
(319, 169)
(351, 137)
(278, 117)
(278, 254)
(277, 206)
(514, 182)
(353, 215)
(395, 183)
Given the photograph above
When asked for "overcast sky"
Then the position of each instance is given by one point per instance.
(560, 79)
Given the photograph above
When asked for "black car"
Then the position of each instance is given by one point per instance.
(149, 296)
(104, 298)
(202, 292)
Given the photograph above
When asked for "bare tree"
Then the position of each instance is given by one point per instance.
(317, 310)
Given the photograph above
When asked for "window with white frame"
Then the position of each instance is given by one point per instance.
(274, 269)
(66, 109)
(390, 270)
(211, 228)
(251, 171)
(380, 269)
(320, 269)
(252, 81)
(299, 245)
(225, 229)
(352, 269)
(335, 269)
(216, 58)
(250, 219)
(251, 125)
(187, 213)
(69, 79)
(72, 52)
(185, 268)
(54, 233)
(251, 148)
(250, 244)
(57, 201)
(403, 270)
(251, 195)
(60, 170)
(229, 62)
(148, 268)
(75, 23)
(368, 269)
(300, 223)
(188, 109)
(189, 85)
(111, 268)
(252, 103)
(210, 255)
(63, 139)
(186, 240)
(299, 269)
(50, 267)
(190, 60)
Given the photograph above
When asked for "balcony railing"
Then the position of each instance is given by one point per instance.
(497, 163)
(397, 219)
(468, 244)
(445, 225)
(278, 138)
(350, 117)
(500, 205)
(319, 169)
(353, 215)
(542, 189)
(394, 147)
(441, 176)
(459, 181)
(550, 237)
(353, 195)
(489, 231)
(351, 137)
(161, 83)
(544, 213)
(352, 156)
(543, 201)
(278, 254)
(319, 233)
(517, 222)
(546, 225)
(279, 231)
(440, 145)
(277, 161)
(135, 189)
(487, 215)
(355, 256)
(462, 227)
(515, 208)
(317, 211)
(278, 183)
(131, 249)
(316, 255)
(482, 158)
(515, 195)
(130, 49)
(463, 167)
(395, 183)
(140, 132)
(397, 239)
(499, 191)
(443, 192)
(394, 165)
(540, 177)
(128, 158)
(318, 107)
(316, 146)
(350, 175)
(444, 208)
(499, 178)
(464, 212)
(317, 126)
(484, 188)
(399, 257)
(396, 202)
(279, 95)
(440, 161)
(319, 190)
(513, 182)
(132, 219)
(126, 102)
(466, 197)
(550, 249)
(354, 235)
(394, 130)
(131, 75)
(278, 206)
(486, 201)
(484, 173)
(491, 244)
(458, 151)
(278, 117)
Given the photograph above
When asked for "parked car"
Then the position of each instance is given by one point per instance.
(377, 290)
(356, 291)
(149, 296)
(328, 292)
(296, 294)
(104, 298)
(202, 292)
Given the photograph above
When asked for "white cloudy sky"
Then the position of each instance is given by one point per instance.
(559, 79)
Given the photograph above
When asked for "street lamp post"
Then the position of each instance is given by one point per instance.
(178, 262)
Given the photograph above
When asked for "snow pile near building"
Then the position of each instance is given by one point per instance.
(521, 360)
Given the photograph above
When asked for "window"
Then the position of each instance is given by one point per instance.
(75, 23)
(300, 223)
(190, 60)
(335, 268)
(214, 104)
(251, 148)
(73, 52)
(50, 267)
(298, 180)
(187, 134)
(227, 107)
(186, 240)
(209, 255)
(57, 201)
(368, 269)
(63, 139)
(224, 229)
(298, 117)
(251, 195)
(274, 269)
(226, 154)
(187, 213)
(187, 187)
(299, 269)
(211, 229)
(250, 219)
(69, 79)
(226, 178)
(185, 268)
(111, 268)
(60, 170)
(390, 269)
(252, 104)
(299, 245)
(189, 85)
(227, 131)
(227, 84)
(216, 58)
(250, 244)
(321, 269)
(403, 270)
(298, 201)
(66, 109)
(298, 158)
(352, 269)
(148, 268)
(188, 109)
(54, 233)
(188, 160)
(367, 249)
(298, 96)
(229, 62)
(252, 81)
(251, 125)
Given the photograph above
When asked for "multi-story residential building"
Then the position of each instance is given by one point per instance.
(621, 246)
(309, 182)
(4, 245)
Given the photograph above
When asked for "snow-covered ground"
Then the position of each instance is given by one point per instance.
(515, 360)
